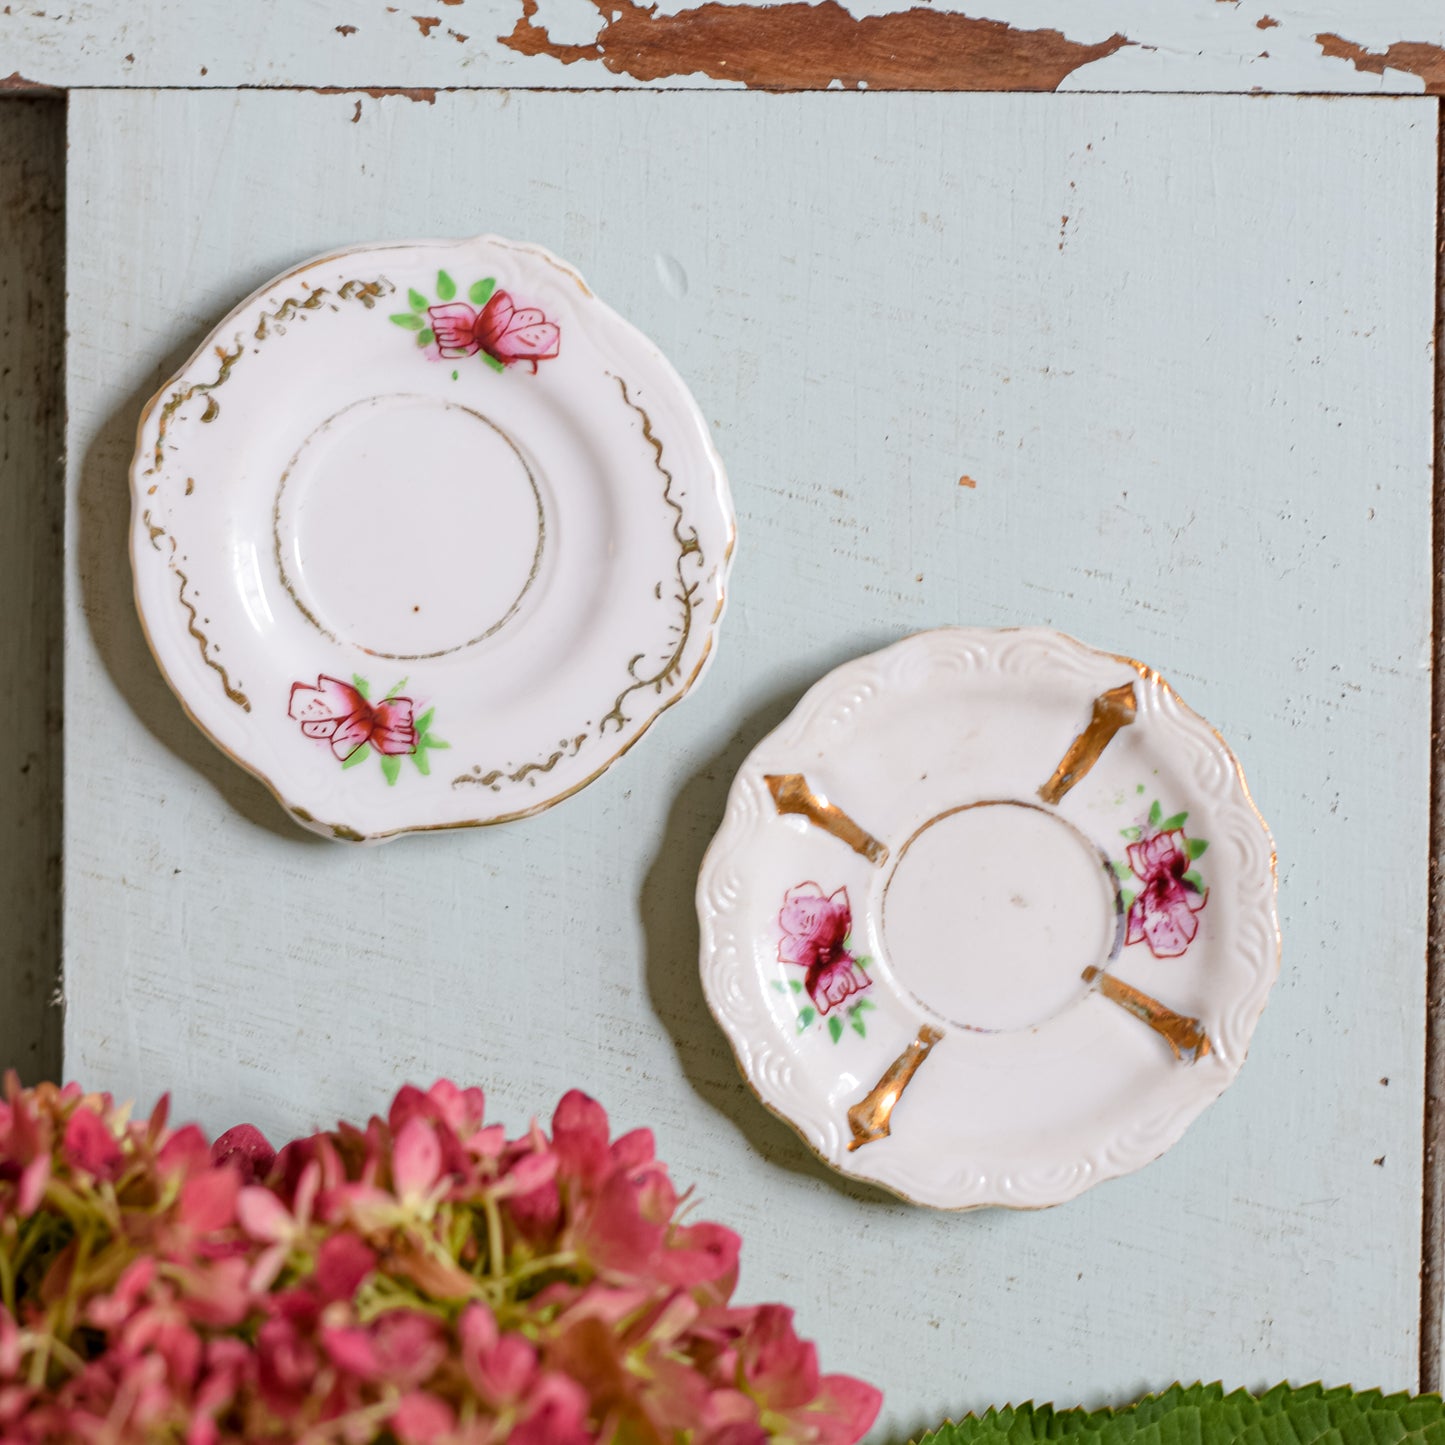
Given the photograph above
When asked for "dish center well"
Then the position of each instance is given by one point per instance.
(408, 526)
(992, 912)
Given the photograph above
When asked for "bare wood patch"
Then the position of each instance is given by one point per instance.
(1416, 57)
(795, 46)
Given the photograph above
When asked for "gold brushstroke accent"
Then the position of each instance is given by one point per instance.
(1113, 710)
(495, 778)
(870, 1118)
(686, 595)
(180, 397)
(1185, 1036)
(154, 528)
(791, 794)
(364, 291)
(290, 589)
(235, 694)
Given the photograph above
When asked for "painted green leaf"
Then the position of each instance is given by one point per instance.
(455, 374)
(1170, 824)
(835, 1028)
(446, 287)
(864, 962)
(408, 320)
(359, 756)
(779, 986)
(391, 767)
(1156, 814)
(1140, 788)
(863, 1003)
(361, 685)
(395, 689)
(481, 291)
(1193, 879)
(423, 763)
(1196, 847)
(796, 984)
(425, 336)
(1132, 834)
(424, 721)
(493, 362)
(1205, 1415)
(430, 742)
(416, 300)
(1127, 897)
(1122, 870)
(805, 1018)
(857, 1024)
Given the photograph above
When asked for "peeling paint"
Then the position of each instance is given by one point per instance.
(22, 85)
(423, 95)
(1415, 57)
(796, 46)
(1266, 22)
(426, 24)
(346, 30)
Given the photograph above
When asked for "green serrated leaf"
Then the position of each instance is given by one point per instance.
(805, 1017)
(1156, 814)
(423, 763)
(1196, 847)
(391, 769)
(416, 300)
(425, 336)
(361, 685)
(493, 362)
(409, 320)
(481, 291)
(835, 1028)
(359, 756)
(796, 984)
(1171, 823)
(1205, 1415)
(446, 287)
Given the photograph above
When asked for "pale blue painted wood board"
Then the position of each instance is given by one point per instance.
(1198, 416)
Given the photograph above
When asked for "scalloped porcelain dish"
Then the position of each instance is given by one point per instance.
(426, 536)
(990, 918)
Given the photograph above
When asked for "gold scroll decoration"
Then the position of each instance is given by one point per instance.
(792, 794)
(1113, 710)
(870, 1118)
(1185, 1036)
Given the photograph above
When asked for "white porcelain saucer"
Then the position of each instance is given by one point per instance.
(990, 918)
(426, 536)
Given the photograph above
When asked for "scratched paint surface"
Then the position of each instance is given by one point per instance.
(1393, 46)
(1194, 406)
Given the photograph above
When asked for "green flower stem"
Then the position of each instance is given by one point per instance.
(496, 1257)
(7, 1281)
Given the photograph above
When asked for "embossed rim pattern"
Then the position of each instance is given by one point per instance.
(836, 707)
(655, 670)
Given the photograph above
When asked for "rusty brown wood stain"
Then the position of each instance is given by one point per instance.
(1418, 57)
(794, 46)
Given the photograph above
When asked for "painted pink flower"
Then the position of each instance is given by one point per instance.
(1162, 914)
(815, 930)
(454, 327)
(335, 712)
(511, 334)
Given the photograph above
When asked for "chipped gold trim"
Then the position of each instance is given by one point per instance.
(791, 794)
(870, 1118)
(1185, 1036)
(290, 589)
(1113, 710)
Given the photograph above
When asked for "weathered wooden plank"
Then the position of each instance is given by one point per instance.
(32, 424)
(1395, 46)
(1193, 402)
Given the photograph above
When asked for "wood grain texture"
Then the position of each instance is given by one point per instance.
(1195, 406)
(32, 425)
(1393, 46)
